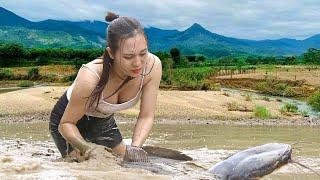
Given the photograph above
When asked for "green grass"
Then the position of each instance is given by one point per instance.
(278, 89)
(314, 101)
(191, 78)
(25, 84)
(6, 74)
(289, 108)
(261, 112)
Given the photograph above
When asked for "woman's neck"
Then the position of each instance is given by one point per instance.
(117, 72)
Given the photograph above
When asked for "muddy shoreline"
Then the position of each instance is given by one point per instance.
(173, 107)
(44, 117)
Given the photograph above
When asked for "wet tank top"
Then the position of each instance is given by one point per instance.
(105, 109)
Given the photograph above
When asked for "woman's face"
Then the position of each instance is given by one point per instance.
(132, 55)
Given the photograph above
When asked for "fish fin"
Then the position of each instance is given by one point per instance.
(166, 153)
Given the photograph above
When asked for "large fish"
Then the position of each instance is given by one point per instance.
(253, 162)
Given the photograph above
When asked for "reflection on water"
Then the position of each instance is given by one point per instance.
(207, 144)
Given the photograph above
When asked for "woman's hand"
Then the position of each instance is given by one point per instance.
(135, 154)
(96, 151)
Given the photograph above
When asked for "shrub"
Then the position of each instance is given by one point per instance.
(33, 73)
(211, 86)
(281, 86)
(289, 92)
(261, 112)
(314, 101)
(262, 86)
(6, 74)
(289, 107)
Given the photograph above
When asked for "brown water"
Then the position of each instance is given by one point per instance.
(27, 151)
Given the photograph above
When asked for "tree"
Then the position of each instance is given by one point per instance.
(200, 58)
(11, 54)
(162, 55)
(175, 55)
(191, 58)
(227, 61)
(312, 56)
(291, 60)
(167, 65)
(251, 60)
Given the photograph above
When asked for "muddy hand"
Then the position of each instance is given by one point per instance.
(135, 154)
(96, 151)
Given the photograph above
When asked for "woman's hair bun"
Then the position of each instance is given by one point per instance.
(111, 16)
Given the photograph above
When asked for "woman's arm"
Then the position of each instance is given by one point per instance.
(76, 108)
(147, 105)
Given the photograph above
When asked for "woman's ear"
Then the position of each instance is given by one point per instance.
(109, 52)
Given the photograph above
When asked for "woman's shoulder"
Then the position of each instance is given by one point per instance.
(95, 66)
(153, 62)
(90, 72)
(154, 67)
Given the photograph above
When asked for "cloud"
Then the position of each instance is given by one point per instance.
(250, 19)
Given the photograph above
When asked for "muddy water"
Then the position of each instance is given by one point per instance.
(27, 152)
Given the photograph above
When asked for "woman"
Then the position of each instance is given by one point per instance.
(125, 73)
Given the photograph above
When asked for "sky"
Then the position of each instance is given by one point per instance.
(244, 19)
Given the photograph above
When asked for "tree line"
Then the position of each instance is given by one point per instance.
(16, 55)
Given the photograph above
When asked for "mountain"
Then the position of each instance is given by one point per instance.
(95, 26)
(8, 18)
(194, 40)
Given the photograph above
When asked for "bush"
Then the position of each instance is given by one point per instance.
(191, 78)
(25, 84)
(261, 112)
(6, 74)
(33, 73)
(314, 101)
(262, 86)
(211, 86)
(289, 92)
(289, 107)
(281, 86)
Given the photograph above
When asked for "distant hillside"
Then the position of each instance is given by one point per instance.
(195, 39)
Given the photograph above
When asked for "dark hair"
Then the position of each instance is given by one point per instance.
(119, 29)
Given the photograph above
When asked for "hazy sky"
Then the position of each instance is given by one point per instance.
(249, 19)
